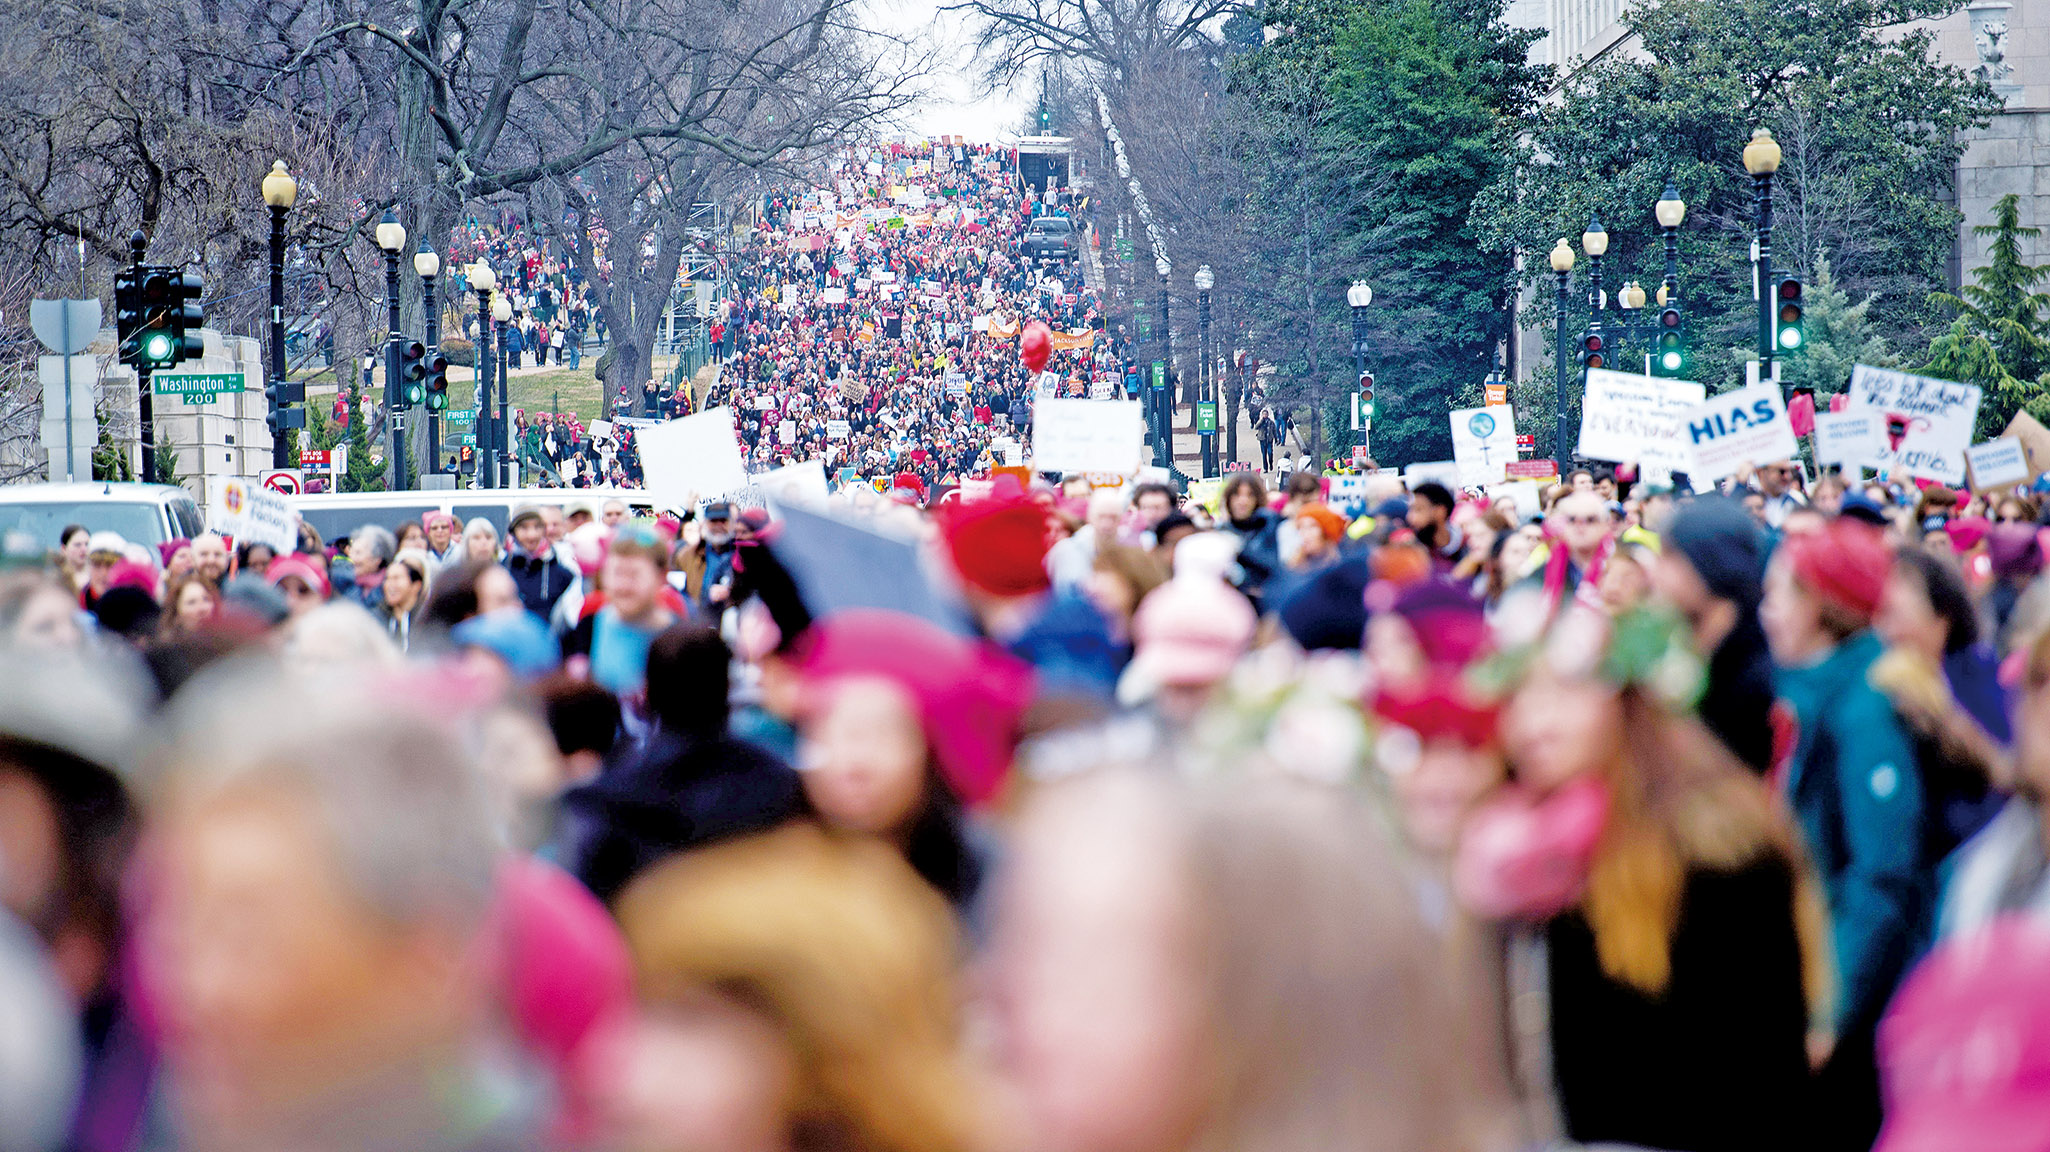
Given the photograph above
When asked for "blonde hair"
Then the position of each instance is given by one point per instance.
(1679, 801)
(848, 953)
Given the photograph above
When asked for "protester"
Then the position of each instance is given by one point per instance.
(1858, 792)
(1683, 948)
(1712, 572)
(540, 575)
(407, 587)
(613, 641)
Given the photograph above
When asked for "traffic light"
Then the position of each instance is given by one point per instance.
(1593, 351)
(1788, 334)
(155, 346)
(128, 314)
(437, 382)
(279, 393)
(412, 373)
(1670, 353)
(184, 315)
(1366, 398)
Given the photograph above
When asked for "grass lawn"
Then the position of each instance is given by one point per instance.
(536, 390)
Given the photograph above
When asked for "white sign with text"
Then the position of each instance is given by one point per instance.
(1625, 418)
(1997, 463)
(1927, 422)
(1849, 437)
(1737, 429)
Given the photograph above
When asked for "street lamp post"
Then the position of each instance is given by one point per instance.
(428, 264)
(1562, 268)
(1670, 211)
(280, 191)
(501, 432)
(1595, 242)
(1359, 295)
(1166, 399)
(1762, 159)
(391, 236)
(482, 361)
(1206, 380)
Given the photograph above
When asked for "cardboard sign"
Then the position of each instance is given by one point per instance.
(853, 389)
(1928, 421)
(1849, 437)
(1087, 435)
(1483, 442)
(1997, 464)
(2035, 441)
(1625, 417)
(692, 457)
(1736, 429)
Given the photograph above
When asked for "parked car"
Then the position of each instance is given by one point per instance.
(142, 513)
(1050, 240)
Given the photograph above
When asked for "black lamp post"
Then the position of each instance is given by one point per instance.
(501, 312)
(1762, 159)
(1166, 399)
(1359, 296)
(483, 362)
(280, 191)
(427, 263)
(1562, 268)
(1671, 212)
(1206, 379)
(391, 236)
(1595, 242)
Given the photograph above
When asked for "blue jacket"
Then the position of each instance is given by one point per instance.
(1858, 793)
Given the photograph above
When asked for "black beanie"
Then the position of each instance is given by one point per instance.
(1724, 544)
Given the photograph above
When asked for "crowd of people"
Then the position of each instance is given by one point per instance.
(1054, 817)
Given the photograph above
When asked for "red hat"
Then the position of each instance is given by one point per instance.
(910, 482)
(1846, 564)
(1439, 705)
(998, 546)
(970, 695)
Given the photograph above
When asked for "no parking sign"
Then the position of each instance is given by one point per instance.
(284, 481)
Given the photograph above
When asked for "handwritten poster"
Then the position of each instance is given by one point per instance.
(1928, 422)
(1625, 418)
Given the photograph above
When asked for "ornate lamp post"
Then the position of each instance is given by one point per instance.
(1359, 295)
(391, 236)
(1206, 379)
(428, 264)
(1670, 211)
(1762, 159)
(1562, 269)
(484, 361)
(501, 432)
(280, 192)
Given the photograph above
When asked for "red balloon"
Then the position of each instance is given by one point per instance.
(1035, 346)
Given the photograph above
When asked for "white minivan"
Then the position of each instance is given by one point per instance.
(142, 513)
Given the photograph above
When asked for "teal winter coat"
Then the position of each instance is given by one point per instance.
(1858, 795)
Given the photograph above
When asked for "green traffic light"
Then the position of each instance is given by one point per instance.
(156, 347)
(415, 393)
(1790, 337)
(436, 401)
(1671, 360)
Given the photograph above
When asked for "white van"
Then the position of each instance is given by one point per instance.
(334, 514)
(142, 513)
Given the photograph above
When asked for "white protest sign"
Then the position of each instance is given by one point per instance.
(1849, 437)
(253, 513)
(1928, 421)
(1445, 472)
(1997, 463)
(765, 404)
(601, 429)
(697, 455)
(1746, 427)
(786, 432)
(802, 484)
(1046, 384)
(1087, 435)
(1101, 389)
(1483, 442)
(838, 429)
(1625, 417)
(833, 295)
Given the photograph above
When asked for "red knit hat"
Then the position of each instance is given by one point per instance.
(1846, 564)
(998, 546)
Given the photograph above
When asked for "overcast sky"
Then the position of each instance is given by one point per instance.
(958, 106)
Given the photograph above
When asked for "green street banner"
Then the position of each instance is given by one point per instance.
(197, 387)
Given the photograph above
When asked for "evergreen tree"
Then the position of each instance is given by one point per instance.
(2000, 339)
(1839, 336)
